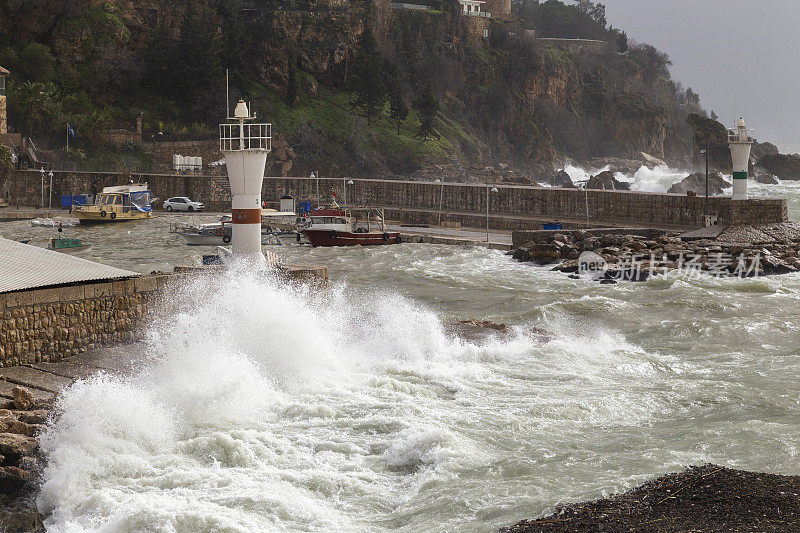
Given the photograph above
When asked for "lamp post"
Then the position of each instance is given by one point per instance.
(493, 189)
(315, 175)
(50, 193)
(441, 197)
(348, 182)
(582, 187)
(42, 204)
(708, 148)
(705, 152)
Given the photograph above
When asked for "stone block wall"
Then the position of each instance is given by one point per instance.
(414, 202)
(47, 325)
(24, 187)
(513, 206)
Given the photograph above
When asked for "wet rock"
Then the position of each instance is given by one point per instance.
(606, 181)
(14, 446)
(772, 265)
(38, 416)
(20, 518)
(23, 398)
(545, 253)
(707, 498)
(13, 480)
(9, 424)
(522, 254)
(590, 243)
(785, 167)
(762, 175)
(697, 184)
(567, 266)
(562, 179)
(484, 324)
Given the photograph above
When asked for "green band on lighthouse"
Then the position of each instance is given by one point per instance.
(740, 175)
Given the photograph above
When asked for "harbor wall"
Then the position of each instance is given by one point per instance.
(50, 324)
(521, 207)
(512, 207)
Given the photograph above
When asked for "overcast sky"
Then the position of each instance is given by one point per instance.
(725, 50)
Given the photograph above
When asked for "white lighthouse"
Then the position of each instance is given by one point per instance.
(740, 144)
(245, 146)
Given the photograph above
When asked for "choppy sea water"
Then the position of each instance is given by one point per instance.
(264, 408)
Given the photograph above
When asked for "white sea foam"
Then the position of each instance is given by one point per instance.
(267, 408)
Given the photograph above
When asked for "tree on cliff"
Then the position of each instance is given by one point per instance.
(398, 110)
(366, 81)
(427, 107)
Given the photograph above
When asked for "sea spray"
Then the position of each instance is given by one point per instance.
(358, 411)
(253, 403)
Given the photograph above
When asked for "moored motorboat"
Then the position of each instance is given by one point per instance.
(344, 227)
(212, 234)
(117, 204)
(67, 245)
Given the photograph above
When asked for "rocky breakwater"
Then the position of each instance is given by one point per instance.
(611, 256)
(21, 420)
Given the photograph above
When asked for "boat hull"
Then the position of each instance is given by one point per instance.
(193, 239)
(95, 217)
(70, 249)
(344, 238)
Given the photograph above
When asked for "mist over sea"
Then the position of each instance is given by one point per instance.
(258, 407)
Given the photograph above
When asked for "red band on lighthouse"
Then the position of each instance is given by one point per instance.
(246, 216)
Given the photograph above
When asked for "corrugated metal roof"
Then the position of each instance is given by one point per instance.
(4, 72)
(23, 266)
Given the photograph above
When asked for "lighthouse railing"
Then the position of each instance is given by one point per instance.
(237, 137)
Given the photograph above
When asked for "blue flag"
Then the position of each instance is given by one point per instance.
(70, 131)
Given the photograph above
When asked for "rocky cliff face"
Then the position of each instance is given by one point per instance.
(507, 101)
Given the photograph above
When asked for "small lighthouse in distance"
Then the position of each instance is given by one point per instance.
(245, 146)
(740, 144)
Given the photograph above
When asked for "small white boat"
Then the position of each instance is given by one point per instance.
(213, 234)
(54, 222)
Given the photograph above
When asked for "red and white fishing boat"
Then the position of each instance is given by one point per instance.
(346, 227)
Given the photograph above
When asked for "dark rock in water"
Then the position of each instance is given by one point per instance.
(522, 254)
(484, 324)
(773, 265)
(626, 166)
(785, 167)
(545, 253)
(606, 180)
(567, 266)
(707, 498)
(759, 150)
(562, 179)
(762, 175)
(19, 516)
(697, 184)
(719, 153)
(608, 282)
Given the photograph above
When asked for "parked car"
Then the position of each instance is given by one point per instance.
(181, 203)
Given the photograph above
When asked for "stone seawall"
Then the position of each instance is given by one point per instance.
(47, 325)
(420, 202)
(50, 324)
(512, 207)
